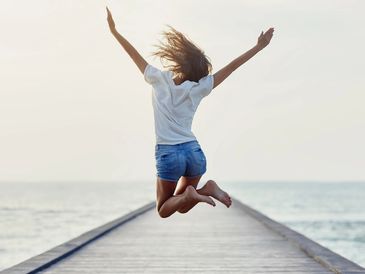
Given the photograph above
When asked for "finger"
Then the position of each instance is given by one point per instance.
(109, 13)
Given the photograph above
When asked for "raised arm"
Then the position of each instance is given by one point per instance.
(263, 41)
(132, 52)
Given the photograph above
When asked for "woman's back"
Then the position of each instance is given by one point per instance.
(175, 105)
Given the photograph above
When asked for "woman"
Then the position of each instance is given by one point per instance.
(177, 93)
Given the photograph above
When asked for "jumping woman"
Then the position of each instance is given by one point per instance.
(177, 93)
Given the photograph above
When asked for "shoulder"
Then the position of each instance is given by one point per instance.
(152, 74)
(207, 82)
(202, 88)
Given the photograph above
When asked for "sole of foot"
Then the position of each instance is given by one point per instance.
(216, 192)
(191, 194)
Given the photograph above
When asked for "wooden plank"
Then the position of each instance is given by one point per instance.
(323, 255)
(205, 240)
(48, 258)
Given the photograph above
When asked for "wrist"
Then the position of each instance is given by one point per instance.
(257, 47)
(113, 31)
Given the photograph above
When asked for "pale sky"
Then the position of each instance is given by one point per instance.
(73, 106)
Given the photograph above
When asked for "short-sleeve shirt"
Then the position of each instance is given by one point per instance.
(174, 105)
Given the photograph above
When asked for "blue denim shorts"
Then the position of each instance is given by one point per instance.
(185, 159)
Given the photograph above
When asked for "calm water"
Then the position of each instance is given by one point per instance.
(38, 216)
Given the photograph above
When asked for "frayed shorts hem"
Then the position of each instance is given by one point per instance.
(169, 180)
(175, 181)
(201, 174)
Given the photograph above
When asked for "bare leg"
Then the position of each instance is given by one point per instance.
(184, 183)
(187, 181)
(167, 203)
(209, 189)
(212, 189)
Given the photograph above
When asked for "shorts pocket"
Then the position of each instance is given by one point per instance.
(196, 162)
(199, 156)
(167, 160)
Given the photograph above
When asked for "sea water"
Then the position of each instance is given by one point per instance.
(38, 216)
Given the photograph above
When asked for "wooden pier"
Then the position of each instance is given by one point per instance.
(205, 240)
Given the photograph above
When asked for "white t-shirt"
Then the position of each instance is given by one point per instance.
(174, 105)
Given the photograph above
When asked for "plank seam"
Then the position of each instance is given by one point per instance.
(48, 258)
(326, 257)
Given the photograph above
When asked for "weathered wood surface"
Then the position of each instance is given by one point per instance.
(52, 256)
(205, 240)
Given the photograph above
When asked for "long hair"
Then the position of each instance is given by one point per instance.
(182, 57)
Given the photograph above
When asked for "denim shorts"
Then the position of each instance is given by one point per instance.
(185, 159)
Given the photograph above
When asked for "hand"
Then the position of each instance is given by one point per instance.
(110, 20)
(265, 38)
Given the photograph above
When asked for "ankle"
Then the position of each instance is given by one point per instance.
(208, 188)
(203, 191)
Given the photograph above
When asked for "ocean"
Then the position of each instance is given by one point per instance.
(40, 215)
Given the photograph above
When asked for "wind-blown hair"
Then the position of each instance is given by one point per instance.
(182, 57)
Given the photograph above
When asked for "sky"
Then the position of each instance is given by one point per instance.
(74, 107)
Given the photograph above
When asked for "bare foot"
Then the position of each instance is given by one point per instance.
(191, 194)
(212, 189)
